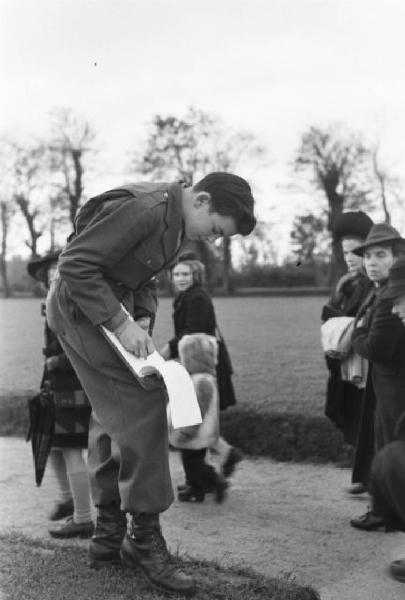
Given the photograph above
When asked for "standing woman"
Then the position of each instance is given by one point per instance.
(380, 338)
(343, 399)
(193, 312)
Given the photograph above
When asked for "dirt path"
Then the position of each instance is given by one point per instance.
(280, 519)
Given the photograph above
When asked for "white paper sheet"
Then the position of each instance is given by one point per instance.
(183, 403)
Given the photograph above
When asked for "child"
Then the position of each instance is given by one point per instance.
(72, 414)
(198, 354)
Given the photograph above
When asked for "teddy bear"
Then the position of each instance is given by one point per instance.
(198, 353)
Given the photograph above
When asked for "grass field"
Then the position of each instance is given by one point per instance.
(274, 344)
(279, 374)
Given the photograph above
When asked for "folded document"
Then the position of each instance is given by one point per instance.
(183, 404)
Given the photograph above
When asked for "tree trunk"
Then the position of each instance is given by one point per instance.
(3, 256)
(29, 217)
(337, 265)
(77, 184)
(4, 277)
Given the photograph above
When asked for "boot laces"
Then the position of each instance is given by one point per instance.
(159, 545)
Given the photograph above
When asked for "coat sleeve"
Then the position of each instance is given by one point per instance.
(99, 247)
(379, 341)
(197, 319)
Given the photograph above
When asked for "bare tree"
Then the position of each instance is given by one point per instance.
(338, 164)
(389, 192)
(72, 138)
(305, 236)
(27, 181)
(191, 146)
(258, 247)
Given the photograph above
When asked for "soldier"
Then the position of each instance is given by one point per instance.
(123, 238)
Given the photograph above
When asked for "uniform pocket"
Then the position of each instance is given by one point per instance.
(149, 255)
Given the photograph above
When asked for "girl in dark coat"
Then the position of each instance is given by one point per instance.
(71, 426)
(343, 399)
(380, 338)
(193, 312)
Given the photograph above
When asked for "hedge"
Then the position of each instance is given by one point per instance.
(283, 437)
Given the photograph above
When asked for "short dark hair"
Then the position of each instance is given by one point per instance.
(231, 196)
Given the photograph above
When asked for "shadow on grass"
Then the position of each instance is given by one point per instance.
(34, 569)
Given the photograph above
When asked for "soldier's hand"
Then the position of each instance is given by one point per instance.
(134, 339)
(143, 323)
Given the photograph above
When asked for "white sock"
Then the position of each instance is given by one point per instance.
(59, 468)
(79, 484)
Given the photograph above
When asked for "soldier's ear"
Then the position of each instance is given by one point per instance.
(201, 199)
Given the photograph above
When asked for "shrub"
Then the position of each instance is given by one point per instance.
(283, 437)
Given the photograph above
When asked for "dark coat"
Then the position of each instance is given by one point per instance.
(72, 408)
(193, 312)
(381, 340)
(343, 399)
(387, 480)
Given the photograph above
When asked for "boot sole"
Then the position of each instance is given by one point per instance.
(83, 536)
(130, 564)
(102, 564)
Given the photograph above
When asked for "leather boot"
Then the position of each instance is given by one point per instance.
(145, 548)
(111, 526)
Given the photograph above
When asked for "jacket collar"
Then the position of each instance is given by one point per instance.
(173, 234)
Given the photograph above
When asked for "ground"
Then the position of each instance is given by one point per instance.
(281, 519)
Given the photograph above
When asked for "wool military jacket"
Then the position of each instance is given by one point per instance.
(123, 238)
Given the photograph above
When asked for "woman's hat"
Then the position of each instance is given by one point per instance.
(38, 267)
(380, 234)
(396, 280)
(352, 224)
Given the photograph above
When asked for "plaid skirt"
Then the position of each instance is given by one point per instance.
(72, 416)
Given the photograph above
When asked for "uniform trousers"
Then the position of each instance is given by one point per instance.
(128, 439)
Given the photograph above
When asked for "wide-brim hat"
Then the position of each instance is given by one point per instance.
(38, 267)
(396, 280)
(354, 224)
(380, 234)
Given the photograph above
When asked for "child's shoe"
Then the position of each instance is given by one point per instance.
(62, 510)
(71, 529)
(191, 494)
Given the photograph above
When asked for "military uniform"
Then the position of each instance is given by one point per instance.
(123, 238)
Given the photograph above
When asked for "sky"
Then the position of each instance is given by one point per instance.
(273, 68)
